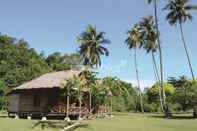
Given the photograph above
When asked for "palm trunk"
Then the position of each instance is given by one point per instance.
(156, 72)
(186, 50)
(67, 103)
(111, 110)
(161, 63)
(138, 82)
(157, 78)
(79, 103)
(90, 102)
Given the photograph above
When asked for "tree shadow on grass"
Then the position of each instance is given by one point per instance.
(82, 125)
(57, 125)
(50, 124)
(1, 116)
(175, 117)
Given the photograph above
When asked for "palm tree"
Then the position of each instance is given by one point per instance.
(69, 84)
(134, 41)
(92, 46)
(160, 53)
(179, 13)
(148, 29)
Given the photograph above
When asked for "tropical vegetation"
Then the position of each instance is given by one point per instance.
(20, 63)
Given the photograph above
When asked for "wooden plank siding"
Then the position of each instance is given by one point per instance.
(27, 100)
(26, 103)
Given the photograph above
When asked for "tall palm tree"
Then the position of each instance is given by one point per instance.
(134, 41)
(160, 53)
(148, 29)
(179, 13)
(92, 46)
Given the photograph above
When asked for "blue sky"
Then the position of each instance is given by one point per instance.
(52, 25)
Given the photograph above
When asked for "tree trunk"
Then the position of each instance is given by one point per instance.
(186, 51)
(156, 73)
(79, 103)
(161, 63)
(67, 103)
(138, 82)
(90, 102)
(111, 110)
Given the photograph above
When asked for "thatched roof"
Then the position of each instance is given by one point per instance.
(49, 80)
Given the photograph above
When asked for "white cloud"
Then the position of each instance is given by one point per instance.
(113, 69)
(143, 83)
(118, 69)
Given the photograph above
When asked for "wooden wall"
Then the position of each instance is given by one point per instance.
(14, 103)
(25, 101)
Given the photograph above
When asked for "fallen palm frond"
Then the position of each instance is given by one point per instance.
(75, 126)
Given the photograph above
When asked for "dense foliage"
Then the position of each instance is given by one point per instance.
(103, 91)
(181, 94)
(60, 62)
(20, 63)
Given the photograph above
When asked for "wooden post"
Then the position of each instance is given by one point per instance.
(67, 105)
(79, 105)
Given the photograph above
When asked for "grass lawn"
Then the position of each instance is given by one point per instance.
(123, 122)
(136, 122)
(7, 124)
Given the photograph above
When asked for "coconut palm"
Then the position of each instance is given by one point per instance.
(179, 12)
(150, 45)
(134, 41)
(92, 46)
(160, 51)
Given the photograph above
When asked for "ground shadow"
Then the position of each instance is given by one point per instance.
(50, 124)
(3, 116)
(57, 125)
(176, 117)
(83, 125)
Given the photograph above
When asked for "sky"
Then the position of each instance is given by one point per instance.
(53, 25)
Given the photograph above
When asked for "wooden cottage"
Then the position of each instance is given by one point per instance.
(42, 96)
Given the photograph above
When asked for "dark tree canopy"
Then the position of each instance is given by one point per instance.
(60, 62)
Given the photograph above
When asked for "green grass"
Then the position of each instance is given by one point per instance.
(121, 122)
(3, 113)
(7, 124)
(136, 122)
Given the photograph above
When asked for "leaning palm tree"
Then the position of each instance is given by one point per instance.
(150, 45)
(92, 47)
(179, 13)
(134, 41)
(160, 51)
